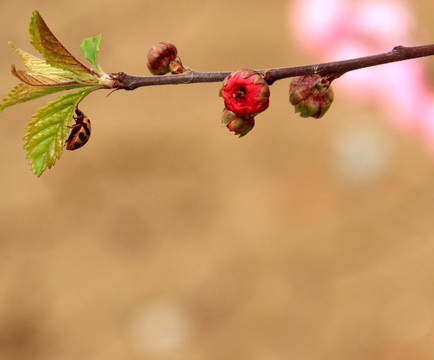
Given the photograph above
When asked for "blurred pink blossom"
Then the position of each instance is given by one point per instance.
(344, 29)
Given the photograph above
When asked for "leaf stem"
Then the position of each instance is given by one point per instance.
(127, 81)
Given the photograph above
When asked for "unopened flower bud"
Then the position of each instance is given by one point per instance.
(245, 92)
(311, 95)
(160, 56)
(239, 124)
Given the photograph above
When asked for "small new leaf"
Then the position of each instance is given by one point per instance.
(39, 79)
(58, 72)
(90, 47)
(25, 92)
(52, 49)
(37, 66)
(48, 131)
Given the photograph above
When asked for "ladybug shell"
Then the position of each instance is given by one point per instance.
(80, 132)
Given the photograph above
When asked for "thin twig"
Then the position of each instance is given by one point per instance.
(337, 68)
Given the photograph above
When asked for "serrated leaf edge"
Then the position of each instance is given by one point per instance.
(53, 151)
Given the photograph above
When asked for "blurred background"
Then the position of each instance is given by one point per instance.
(167, 237)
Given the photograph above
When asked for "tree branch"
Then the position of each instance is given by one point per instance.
(336, 68)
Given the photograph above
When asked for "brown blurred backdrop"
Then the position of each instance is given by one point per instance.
(166, 237)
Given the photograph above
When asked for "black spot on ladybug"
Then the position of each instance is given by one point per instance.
(86, 128)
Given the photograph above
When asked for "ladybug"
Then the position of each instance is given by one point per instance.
(80, 132)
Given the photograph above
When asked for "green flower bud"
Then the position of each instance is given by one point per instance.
(311, 95)
(239, 124)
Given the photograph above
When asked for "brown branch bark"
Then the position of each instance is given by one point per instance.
(336, 68)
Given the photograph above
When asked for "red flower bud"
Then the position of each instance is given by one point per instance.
(239, 124)
(160, 56)
(312, 95)
(245, 92)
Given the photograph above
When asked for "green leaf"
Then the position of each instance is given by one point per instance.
(38, 66)
(52, 49)
(90, 47)
(25, 92)
(48, 131)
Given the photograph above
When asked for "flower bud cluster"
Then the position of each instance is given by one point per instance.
(246, 94)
